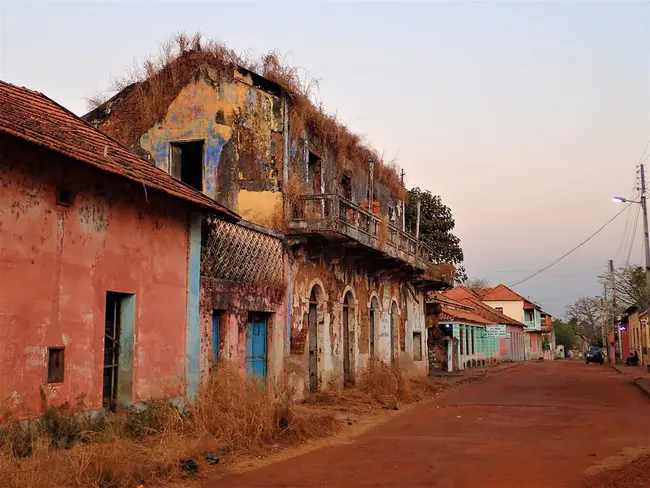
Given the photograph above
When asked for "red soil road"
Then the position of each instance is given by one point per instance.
(538, 425)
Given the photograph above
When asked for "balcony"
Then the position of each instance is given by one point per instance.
(334, 218)
(531, 325)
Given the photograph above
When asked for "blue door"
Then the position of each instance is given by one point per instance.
(256, 345)
(216, 315)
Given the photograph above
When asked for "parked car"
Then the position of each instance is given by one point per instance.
(595, 355)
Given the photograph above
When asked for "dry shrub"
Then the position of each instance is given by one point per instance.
(240, 413)
(245, 415)
(386, 383)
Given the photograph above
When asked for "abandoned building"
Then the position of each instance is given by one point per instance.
(321, 274)
(99, 265)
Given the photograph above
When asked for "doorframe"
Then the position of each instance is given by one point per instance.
(351, 334)
(322, 300)
(123, 396)
(267, 324)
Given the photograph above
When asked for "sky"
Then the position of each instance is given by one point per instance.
(525, 117)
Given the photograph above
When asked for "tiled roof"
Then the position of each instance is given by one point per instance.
(449, 314)
(32, 116)
(530, 305)
(468, 297)
(501, 293)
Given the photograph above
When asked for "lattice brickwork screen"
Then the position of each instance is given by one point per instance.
(235, 253)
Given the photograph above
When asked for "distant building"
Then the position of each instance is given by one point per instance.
(507, 301)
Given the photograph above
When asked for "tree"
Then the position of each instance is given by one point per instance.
(564, 335)
(475, 283)
(588, 314)
(630, 286)
(436, 226)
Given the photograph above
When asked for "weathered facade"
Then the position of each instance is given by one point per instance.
(352, 281)
(98, 261)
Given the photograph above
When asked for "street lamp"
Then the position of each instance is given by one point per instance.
(624, 200)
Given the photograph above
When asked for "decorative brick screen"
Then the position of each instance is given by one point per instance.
(232, 252)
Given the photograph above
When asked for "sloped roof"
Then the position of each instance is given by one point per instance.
(468, 297)
(33, 117)
(530, 305)
(449, 314)
(501, 293)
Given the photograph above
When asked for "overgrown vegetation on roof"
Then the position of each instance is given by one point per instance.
(146, 91)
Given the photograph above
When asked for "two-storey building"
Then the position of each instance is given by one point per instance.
(321, 275)
(507, 301)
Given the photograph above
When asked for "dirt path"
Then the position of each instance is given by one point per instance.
(540, 425)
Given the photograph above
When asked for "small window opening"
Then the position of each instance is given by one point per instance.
(314, 172)
(63, 197)
(55, 365)
(499, 309)
(187, 163)
(417, 346)
(346, 187)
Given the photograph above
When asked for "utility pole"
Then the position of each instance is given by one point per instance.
(371, 170)
(612, 277)
(417, 222)
(646, 244)
(403, 205)
(604, 332)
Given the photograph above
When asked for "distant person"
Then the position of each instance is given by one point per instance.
(632, 359)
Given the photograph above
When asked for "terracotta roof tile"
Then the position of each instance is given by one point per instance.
(464, 316)
(32, 116)
(502, 293)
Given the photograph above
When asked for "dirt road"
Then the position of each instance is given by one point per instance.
(534, 426)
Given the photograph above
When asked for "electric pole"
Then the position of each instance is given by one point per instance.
(618, 350)
(646, 244)
(604, 332)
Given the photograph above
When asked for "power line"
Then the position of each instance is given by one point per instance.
(575, 248)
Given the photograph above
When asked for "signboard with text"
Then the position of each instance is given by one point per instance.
(499, 331)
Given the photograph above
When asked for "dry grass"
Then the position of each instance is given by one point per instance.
(150, 87)
(381, 385)
(231, 416)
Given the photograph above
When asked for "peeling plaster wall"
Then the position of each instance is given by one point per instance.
(415, 322)
(242, 129)
(335, 281)
(57, 263)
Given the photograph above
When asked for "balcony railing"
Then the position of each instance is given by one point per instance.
(333, 213)
(530, 324)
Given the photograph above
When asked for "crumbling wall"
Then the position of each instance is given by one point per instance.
(242, 128)
(336, 279)
(415, 323)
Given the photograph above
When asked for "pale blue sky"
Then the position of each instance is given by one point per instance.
(525, 117)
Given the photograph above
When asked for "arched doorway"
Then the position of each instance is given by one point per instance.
(393, 326)
(315, 297)
(374, 313)
(348, 325)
